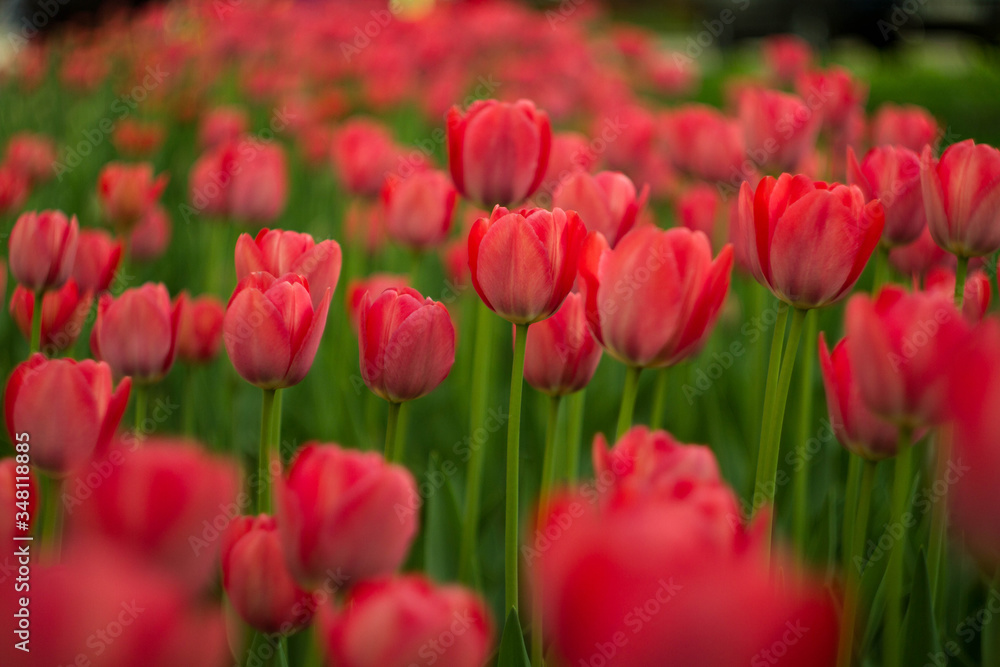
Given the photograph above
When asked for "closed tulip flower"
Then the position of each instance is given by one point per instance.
(419, 209)
(199, 333)
(257, 580)
(362, 153)
(905, 126)
(407, 344)
(83, 396)
(42, 249)
(373, 285)
(259, 189)
(127, 191)
(15, 507)
(136, 333)
(98, 256)
(418, 621)
(962, 198)
(808, 242)
(523, 264)
(279, 252)
(674, 293)
(705, 143)
(498, 152)
(345, 511)
(891, 175)
(606, 202)
(779, 129)
(271, 330)
(63, 314)
(561, 354)
(977, 291)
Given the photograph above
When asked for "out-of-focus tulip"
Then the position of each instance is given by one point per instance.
(498, 152)
(126, 192)
(418, 621)
(787, 56)
(561, 354)
(136, 333)
(779, 129)
(42, 249)
(278, 252)
(977, 290)
(150, 237)
(271, 329)
(407, 344)
(199, 332)
(523, 264)
(259, 189)
(962, 197)
(209, 180)
(859, 429)
(137, 139)
(705, 143)
(672, 296)
(808, 242)
(699, 209)
(891, 175)
(14, 189)
(98, 256)
(419, 209)
(455, 257)
(63, 313)
(221, 126)
(18, 496)
(840, 92)
(570, 152)
(257, 580)
(901, 346)
(69, 409)
(345, 511)
(31, 154)
(917, 258)
(364, 226)
(373, 285)
(606, 202)
(904, 126)
(363, 153)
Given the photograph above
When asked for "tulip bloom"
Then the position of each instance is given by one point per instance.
(841, 93)
(374, 285)
(279, 252)
(259, 188)
(561, 354)
(136, 333)
(705, 143)
(127, 191)
(779, 129)
(977, 291)
(63, 313)
(674, 293)
(257, 580)
(808, 242)
(962, 198)
(606, 202)
(42, 249)
(905, 126)
(98, 256)
(411, 615)
(83, 397)
(891, 175)
(523, 264)
(363, 152)
(271, 329)
(407, 344)
(345, 511)
(419, 209)
(498, 152)
(31, 154)
(199, 332)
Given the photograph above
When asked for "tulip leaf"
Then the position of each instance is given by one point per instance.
(920, 636)
(513, 652)
(444, 527)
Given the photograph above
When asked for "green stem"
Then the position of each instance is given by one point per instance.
(854, 467)
(513, 461)
(960, 272)
(141, 398)
(856, 547)
(548, 478)
(52, 519)
(902, 479)
(770, 388)
(659, 398)
(800, 481)
(629, 394)
(392, 421)
(574, 433)
(482, 358)
(937, 553)
(35, 343)
(267, 417)
(881, 268)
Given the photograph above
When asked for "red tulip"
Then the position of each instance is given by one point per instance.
(279, 252)
(373, 285)
(259, 188)
(137, 139)
(166, 503)
(18, 495)
(859, 429)
(98, 256)
(63, 313)
(808, 242)
(455, 258)
(419, 209)
(561, 354)
(68, 409)
(364, 226)
(606, 202)
(570, 153)
(498, 152)
(407, 344)
(779, 129)
(222, 125)
(905, 126)
(345, 511)
(136, 333)
(653, 300)
(523, 264)
(418, 623)
(919, 257)
(127, 191)
(42, 249)
(32, 155)
(150, 237)
(271, 329)
(209, 180)
(901, 346)
(14, 189)
(891, 175)
(705, 143)
(199, 332)
(962, 198)
(787, 56)
(699, 209)
(257, 581)
(363, 153)
(976, 292)
(841, 93)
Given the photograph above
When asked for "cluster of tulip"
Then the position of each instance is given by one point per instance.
(149, 549)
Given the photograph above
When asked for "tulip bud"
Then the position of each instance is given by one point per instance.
(905, 126)
(271, 330)
(63, 314)
(98, 256)
(69, 409)
(419, 209)
(42, 249)
(561, 355)
(345, 511)
(606, 202)
(279, 252)
(891, 175)
(18, 497)
(199, 332)
(136, 333)
(127, 191)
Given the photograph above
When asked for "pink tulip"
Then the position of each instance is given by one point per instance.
(571, 152)
(699, 208)
(373, 285)
(606, 202)
(419, 209)
(136, 333)
(363, 153)
(891, 175)
(150, 237)
(787, 56)
(279, 252)
(259, 189)
(222, 125)
(127, 191)
(199, 332)
(705, 143)
(976, 293)
(42, 249)
(137, 139)
(31, 154)
(779, 129)
(561, 354)
(14, 189)
(98, 256)
(63, 313)
(840, 92)
(917, 258)
(905, 126)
